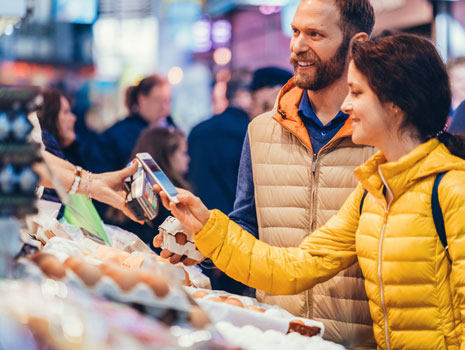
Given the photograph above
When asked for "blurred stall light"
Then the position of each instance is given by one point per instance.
(9, 29)
(175, 75)
(268, 10)
(125, 42)
(202, 30)
(222, 56)
(450, 37)
(221, 32)
(273, 3)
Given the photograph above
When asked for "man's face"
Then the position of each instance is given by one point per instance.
(318, 47)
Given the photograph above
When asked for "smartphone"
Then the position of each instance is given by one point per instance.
(157, 175)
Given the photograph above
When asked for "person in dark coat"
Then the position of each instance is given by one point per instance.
(215, 146)
(457, 125)
(148, 103)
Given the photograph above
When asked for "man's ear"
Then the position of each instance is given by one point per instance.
(361, 36)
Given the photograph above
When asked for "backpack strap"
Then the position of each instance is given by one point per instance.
(437, 213)
(362, 201)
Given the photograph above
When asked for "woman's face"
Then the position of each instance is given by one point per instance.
(372, 121)
(66, 121)
(180, 159)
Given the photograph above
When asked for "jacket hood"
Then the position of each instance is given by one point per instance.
(286, 114)
(429, 158)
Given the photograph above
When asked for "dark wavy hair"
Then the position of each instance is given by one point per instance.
(142, 88)
(407, 70)
(161, 144)
(49, 110)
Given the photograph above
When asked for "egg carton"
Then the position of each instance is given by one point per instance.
(177, 240)
(274, 317)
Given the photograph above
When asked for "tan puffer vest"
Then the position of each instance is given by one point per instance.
(295, 194)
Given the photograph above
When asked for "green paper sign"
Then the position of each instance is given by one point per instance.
(81, 212)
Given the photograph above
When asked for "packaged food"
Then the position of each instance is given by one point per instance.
(178, 240)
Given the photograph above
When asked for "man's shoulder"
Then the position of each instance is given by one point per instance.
(264, 118)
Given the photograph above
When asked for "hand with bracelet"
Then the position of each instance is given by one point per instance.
(106, 187)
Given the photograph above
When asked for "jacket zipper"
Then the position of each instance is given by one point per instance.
(379, 264)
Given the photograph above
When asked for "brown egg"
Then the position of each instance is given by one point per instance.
(199, 294)
(223, 297)
(198, 318)
(214, 299)
(52, 267)
(88, 273)
(49, 234)
(254, 308)
(157, 283)
(73, 261)
(187, 281)
(298, 322)
(181, 238)
(125, 279)
(38, 256)
(234, 301)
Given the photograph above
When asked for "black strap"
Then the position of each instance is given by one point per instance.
(437, 212)
(436, 208)
(363, 200)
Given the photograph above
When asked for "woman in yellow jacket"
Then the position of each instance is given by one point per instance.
(398, 102)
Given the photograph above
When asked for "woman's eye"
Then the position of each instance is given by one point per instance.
(355, 93)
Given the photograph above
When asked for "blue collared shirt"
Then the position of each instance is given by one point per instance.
(319, 134)
(244, 212)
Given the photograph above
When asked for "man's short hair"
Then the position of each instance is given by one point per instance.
(356, 16)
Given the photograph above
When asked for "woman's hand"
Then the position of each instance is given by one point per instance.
(108, 188)
(191, 213)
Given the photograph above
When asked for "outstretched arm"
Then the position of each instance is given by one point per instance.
(271, 269)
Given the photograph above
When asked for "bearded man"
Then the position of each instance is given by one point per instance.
(297, 162)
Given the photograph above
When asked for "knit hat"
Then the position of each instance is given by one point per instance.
(269, 77)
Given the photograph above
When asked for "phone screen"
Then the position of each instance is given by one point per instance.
(161, 177)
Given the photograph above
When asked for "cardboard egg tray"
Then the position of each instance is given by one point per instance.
(177, 240)
(274, 317)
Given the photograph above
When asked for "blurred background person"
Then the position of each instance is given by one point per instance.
(168, 147)
(215, 146)
(58, 135)
(148, 103)
(265, 86)
(457, 126)
(57, 122)
(456, 68)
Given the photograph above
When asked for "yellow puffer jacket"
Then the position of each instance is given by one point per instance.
(416, 295)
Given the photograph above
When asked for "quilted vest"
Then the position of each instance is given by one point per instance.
(295, 193)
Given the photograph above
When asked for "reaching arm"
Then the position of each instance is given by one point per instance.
(272, 269)
(106, 188)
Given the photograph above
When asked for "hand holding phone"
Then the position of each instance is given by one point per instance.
(157, 176)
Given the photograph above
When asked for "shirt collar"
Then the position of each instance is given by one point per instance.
(306, 111)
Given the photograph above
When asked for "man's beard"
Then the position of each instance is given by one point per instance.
(326, 73)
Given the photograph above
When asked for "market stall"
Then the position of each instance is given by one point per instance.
(77, 283)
